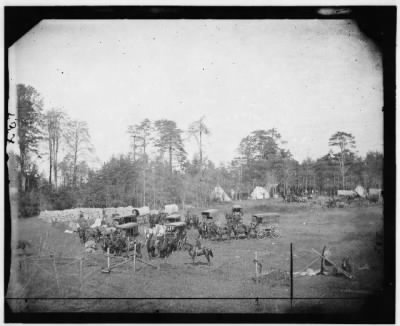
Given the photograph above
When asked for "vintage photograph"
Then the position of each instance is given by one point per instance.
(185, 166)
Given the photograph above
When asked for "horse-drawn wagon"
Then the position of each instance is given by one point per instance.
(176, 231)
(208, 227)
(266, 225)
(172, 218)
(237, 210)
(127, 224)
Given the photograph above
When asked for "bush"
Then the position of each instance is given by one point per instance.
(29, 204)
(63, 199)
(118, 203)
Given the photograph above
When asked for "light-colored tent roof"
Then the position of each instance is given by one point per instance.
(375, 191)
(259, 193)
(219, 194)
(346, 193)
(360, 190)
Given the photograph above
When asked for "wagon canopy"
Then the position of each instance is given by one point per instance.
(177, 224)
(210, 213)
(126, 226)
(140, 211)
(173, 218)
(265, 218)
(170, 209)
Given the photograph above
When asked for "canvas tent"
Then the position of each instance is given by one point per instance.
(360, 190)
(346, 193)
(259, 193)
(375, 192)
(219, 194)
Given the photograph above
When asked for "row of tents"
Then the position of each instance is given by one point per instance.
(218, 194)
(361, 192)
(270, 191)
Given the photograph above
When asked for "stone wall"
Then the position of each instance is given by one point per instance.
(90, 214)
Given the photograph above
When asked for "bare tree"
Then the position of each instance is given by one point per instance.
(78, 140)
(53, 120)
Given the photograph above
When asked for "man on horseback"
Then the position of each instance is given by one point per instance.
(198, 244)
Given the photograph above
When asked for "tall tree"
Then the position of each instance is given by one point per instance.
(53, 121)
(78, 140)
(29, 121)
(134, 134)
(169, 139)
(144, 129)
(343, 143)
(374, 169)
(140, 135)
(198, 129)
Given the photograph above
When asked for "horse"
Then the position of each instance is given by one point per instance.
(167, 246)
(240, 230)
(192, 221)
(150, 244)
(202, 229)
(252, 231)
(114, 243)
(213, 231)
(224, 232)
(196, 252)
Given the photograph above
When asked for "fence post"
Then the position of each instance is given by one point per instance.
(80, 275)
(291, 274)
(108, 258)
(256, 261)
(134, 257)
(56, 275)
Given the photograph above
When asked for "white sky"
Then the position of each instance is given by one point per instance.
(307, 78)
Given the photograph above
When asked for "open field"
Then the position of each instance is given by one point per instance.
(226, 286)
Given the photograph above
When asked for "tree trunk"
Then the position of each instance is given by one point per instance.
(201, 151)
(50, 160)
(134, 148)
(170, 158)
(55, 162)
(144, 186)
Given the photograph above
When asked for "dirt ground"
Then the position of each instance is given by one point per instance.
(227, 286)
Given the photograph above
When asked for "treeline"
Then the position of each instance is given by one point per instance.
(157, 169)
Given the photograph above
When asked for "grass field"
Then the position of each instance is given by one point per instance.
(226, 286)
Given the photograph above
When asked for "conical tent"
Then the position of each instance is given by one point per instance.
(360, 190)
(259, 193)
(219, 194)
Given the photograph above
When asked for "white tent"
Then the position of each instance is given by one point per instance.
(346, 193)
(360, 190)
(219, 194)
(259, 193)
(375, 192)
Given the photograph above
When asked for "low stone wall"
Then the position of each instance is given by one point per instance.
(90, 214)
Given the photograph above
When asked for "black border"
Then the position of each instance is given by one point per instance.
(377, 22)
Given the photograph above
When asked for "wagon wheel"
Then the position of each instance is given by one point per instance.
(275, 232)
(261, 234)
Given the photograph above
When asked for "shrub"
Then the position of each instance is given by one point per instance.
(29, 204)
